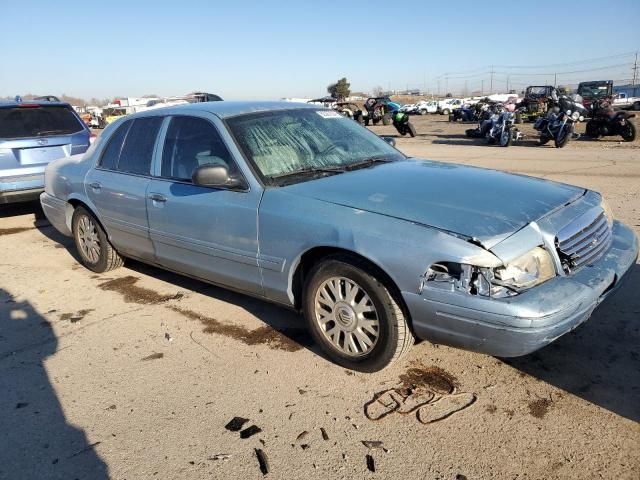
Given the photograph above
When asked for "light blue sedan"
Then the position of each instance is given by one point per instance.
(300, 206)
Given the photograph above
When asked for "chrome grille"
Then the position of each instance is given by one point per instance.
(583, 241)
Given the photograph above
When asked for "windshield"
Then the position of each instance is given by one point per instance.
(593, 91)
(537, 91)
(286, 142)
(33, 121)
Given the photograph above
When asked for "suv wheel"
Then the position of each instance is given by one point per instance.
(353, 316)
(96, 253)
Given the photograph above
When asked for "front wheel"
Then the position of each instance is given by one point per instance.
(96, 253)
(506, 137)
(423, 112)
(353, 316)
(628, 132)
(564, 136)
(543, 140)
(412, 130)
(445, 111)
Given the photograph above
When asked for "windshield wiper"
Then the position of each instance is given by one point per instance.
(367, 162)
(308, 171)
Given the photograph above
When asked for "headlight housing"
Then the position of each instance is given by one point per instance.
(575, 116)
(607, 212)
(533, 268)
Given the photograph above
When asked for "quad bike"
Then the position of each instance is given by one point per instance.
(536, 103)
(403, 125)
(380, 109)
(605, 122)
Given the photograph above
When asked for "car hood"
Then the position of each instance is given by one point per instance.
(485, 205)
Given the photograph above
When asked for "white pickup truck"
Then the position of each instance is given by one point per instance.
(445, 107)
(623, 101)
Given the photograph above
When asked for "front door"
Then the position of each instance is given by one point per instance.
(209, 233)
(118, 186)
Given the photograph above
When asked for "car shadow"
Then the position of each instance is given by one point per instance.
(22, 208)
(600, 360)
(36, 441)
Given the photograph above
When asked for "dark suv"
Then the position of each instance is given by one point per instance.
(32, 134)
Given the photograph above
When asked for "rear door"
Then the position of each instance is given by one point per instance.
(32, 135)
(210, 233)
(118, 185)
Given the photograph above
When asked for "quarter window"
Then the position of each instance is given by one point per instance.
(138, 146)
(190, 143)
(111, 153)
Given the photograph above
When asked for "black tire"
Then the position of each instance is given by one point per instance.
(636, 106)
(518, 118)
(591, 130)
(543, 140)
(108, 258)
(395, 337)
(412, 130)
(386, 119)
(446, 111)
(366, 122)
(508, 140)
(628, 132)
(561, 141)
(375, 121)
(423, 111)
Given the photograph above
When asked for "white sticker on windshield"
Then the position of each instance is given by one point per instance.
(328, 114)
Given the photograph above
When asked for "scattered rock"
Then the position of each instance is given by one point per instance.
(374, 445)
(539, 408)
(263, 461)
(250, 431)
(168, 337)
(325, 437)
(304, 446)
(302, 436)
(236, 423)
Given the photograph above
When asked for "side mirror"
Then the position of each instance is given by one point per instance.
(390, 140)
(217, 176)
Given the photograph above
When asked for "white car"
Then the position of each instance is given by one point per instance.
(445, 107)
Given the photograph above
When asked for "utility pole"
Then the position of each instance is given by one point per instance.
(446, 84)
(507, 83)
(555, 79)
(491, 84)
(635, 70)
(482, 89)
(438, 87)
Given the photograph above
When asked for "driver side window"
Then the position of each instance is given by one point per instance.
(190, 143)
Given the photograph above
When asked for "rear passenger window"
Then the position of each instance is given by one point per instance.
(138, 146)
(192, 142)
(111, 154)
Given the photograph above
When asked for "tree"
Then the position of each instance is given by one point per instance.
(377, 91)
(340, 89)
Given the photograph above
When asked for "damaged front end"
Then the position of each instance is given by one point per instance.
(528, 270)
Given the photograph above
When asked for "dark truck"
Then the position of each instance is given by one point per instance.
(595, 90)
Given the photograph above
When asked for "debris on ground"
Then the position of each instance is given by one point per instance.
(263, 461)
(168, 337)
(375, 445)
(445, 407)
(21, 404)
(302, 436)
(304, 446)
(220, 456)
(371, 466)
(325, 437)
(250, 431)
(153, 356)
(236, 423)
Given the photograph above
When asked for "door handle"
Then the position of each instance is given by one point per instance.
(156, 197)
(95, 185)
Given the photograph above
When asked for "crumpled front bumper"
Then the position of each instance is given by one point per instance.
(510, 327)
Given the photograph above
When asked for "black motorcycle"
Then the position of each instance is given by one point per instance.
(403, 125)
(606, 122)
(559, 123)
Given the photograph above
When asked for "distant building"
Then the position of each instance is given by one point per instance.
(630, 90)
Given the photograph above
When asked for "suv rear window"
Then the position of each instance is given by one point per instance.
(40, 121)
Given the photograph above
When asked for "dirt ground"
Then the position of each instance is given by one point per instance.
(134, 374)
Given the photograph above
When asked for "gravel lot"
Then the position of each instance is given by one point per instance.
(134, 374)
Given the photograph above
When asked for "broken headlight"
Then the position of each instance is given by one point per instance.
(607, 212)
(532, 268)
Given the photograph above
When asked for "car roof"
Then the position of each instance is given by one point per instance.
(42, 103)
(225, 109)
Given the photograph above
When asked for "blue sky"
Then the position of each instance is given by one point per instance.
(272, 49)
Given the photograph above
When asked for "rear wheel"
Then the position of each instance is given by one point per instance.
(446, 111)
(636, 106)
(353, 316)
(628, 132)
(423, 112)
(96, 253)
(412, 130)
(591, 130)
(543, 140)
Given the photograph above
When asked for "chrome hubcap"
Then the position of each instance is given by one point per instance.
(346, 316)
(88, 239)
